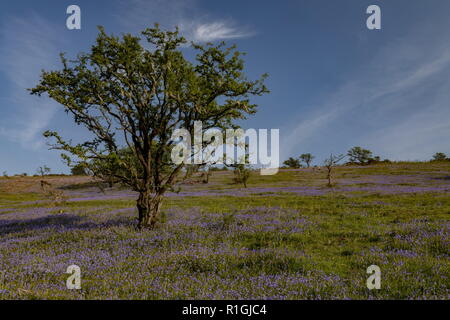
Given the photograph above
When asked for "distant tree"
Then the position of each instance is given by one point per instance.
(5, 174)
(241, 168)
(206, 167)
(218, 168)
(307, 158)
(292, 163)
(329, 164)
(79, 169)
(42, 171)
(131, 95)
(439, 156)
(190, 170)
(359, 155)
(241, 174)
(206, 173)
(374, 160)
(56, 196)
(207, 170)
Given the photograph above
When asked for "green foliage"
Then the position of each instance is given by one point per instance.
(241, 174)
(295, 163)
(131, 99)
(79, 169)
(307, 158)
(42, 171)
(146, 94)
(439, 156)
(359, 155)
(218, 168)
(292, 163)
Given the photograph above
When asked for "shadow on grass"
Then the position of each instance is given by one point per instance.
(85, 185)
(443, 178)
(60, 222)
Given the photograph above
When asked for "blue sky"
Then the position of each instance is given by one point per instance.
(334, 83)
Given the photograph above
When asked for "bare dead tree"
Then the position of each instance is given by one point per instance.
(329, 164)
(54, 195)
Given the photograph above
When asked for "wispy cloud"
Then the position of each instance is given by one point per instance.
(397, 105)
(207, 32)
(194, 24)
(27, 47)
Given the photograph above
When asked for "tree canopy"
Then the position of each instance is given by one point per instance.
(439, 156)
(359, 155)
(292, 163)
(131, 97)
(307, 158)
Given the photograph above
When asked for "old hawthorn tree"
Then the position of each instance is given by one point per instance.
(132, 97)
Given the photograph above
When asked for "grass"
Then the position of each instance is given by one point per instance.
(267, 244)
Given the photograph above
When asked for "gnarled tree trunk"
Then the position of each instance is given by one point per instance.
(329, 177)
(149, 207)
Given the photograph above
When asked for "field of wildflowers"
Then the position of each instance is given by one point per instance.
(286, 236)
